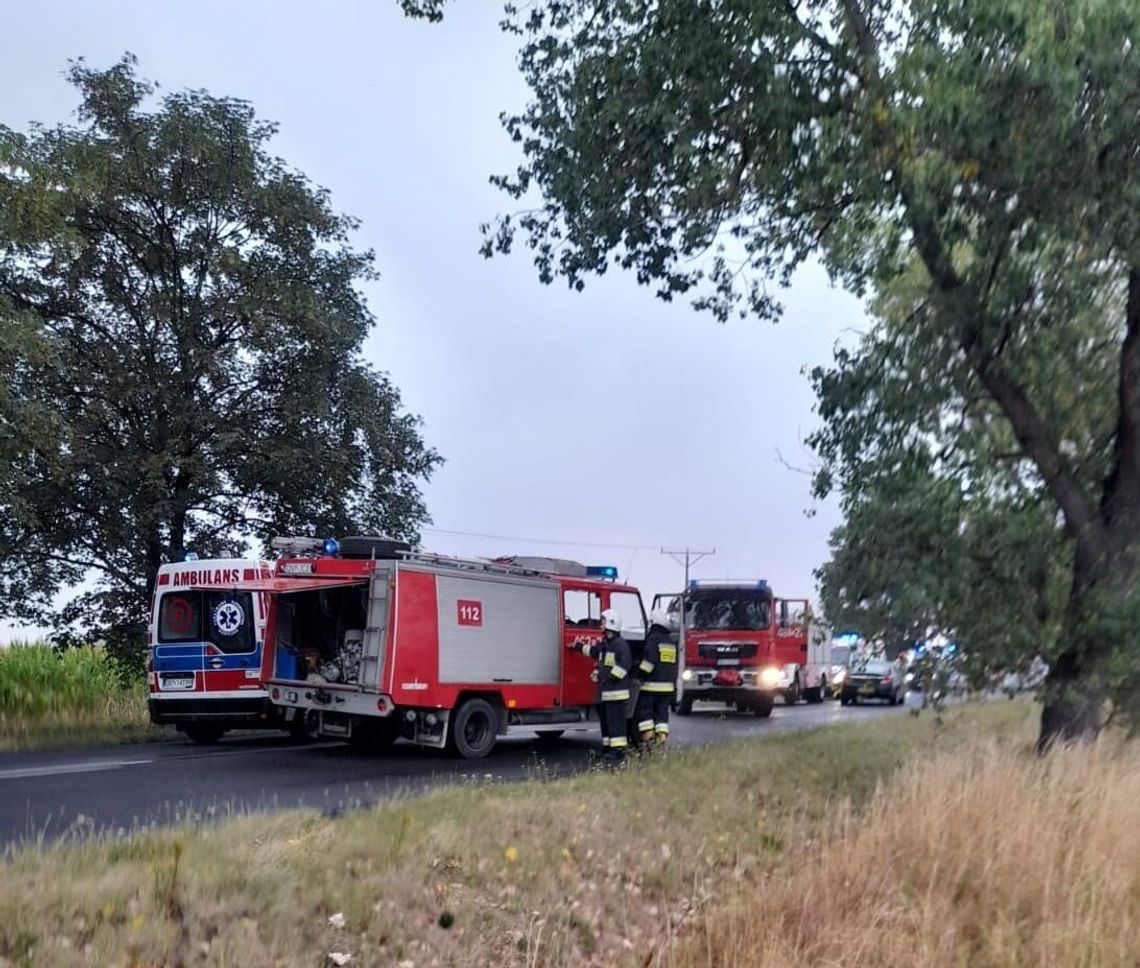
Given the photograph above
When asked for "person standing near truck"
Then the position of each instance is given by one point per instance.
(613, 657)
(658, 674)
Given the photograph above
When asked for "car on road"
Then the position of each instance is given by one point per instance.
(873, 679)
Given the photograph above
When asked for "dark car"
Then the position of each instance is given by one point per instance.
(873, 679)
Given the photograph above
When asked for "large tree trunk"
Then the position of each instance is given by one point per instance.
(1076, 687)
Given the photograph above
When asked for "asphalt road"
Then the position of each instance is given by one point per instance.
(62, 793)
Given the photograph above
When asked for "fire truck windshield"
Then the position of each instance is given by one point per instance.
(728, 608)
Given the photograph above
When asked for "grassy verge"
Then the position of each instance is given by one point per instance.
(51, 698)
(896, 842)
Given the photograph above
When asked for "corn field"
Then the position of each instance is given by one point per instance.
(48, 695)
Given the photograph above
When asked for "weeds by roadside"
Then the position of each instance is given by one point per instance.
(637, 867)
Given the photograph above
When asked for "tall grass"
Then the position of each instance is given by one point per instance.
(986, 858)
(811, 847)
(48, 695)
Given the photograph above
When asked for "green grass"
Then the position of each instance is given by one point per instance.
(49, 697)
(650, 865)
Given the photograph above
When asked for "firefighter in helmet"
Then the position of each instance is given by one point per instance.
(612, 656)
(658, 674)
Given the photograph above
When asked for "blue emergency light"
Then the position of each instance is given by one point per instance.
(331, 546)
(190, 556)
(601, 571)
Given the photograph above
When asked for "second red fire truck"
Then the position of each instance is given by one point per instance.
(743, 646)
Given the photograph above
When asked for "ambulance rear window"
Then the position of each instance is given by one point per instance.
(223, 618)
(180, 618)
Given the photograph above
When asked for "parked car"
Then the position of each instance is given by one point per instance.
(873, 679)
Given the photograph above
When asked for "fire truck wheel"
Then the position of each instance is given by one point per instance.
(368, 734)
(762, 708)
(305, 726)
(204, 735)
(792, 696)
(473, 729)
(685, 706)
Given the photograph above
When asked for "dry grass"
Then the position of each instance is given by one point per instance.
(981, 855)
(987, 857)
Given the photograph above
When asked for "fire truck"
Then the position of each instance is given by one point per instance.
(376, 642)
(743, 646)
(205, 643)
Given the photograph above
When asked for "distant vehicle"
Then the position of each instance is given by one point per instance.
(873, 679)
(841, 653)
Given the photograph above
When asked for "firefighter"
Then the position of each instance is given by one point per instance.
(612, 656)
(658, 674)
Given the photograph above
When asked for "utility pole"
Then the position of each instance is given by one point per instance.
(686, 558)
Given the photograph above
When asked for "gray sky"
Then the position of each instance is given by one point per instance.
(604, 416)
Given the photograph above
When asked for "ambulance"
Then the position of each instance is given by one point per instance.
(206, 658)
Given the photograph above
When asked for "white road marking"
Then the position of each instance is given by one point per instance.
(62, 769)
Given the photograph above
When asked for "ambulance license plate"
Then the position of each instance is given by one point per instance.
(176, 680)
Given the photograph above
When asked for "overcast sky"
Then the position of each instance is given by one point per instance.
(602, 417)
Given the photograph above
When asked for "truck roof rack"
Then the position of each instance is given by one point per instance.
(470, 564)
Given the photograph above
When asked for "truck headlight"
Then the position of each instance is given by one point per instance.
(769, 676)
(687, 675)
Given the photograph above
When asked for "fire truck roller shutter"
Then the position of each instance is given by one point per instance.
(510, 630)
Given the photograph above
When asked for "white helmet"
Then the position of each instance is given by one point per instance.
(659, 617)
(611, 620)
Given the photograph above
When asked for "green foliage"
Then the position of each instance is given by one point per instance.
(180, 335)
(971, 165)
(36, 680)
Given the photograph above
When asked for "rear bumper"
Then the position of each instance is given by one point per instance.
(880, 692)
(247, 713)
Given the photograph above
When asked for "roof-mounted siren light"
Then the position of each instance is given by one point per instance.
(608, 572)
(190, 555)
(330, 546)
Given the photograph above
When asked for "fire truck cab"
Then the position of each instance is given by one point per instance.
(372, 645)
(743, 646)
(205, 641)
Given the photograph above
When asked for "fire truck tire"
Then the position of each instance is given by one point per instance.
(762, 708)
(305, 726)
(367, 547)
(473, 729)
(818, 693)
(792, 696)
(685, 706)
(204, 735)
(374, 735)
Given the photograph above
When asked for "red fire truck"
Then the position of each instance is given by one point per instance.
(379, 642)
(745, 647)
(205, 648)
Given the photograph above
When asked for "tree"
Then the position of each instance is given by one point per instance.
(713, 147)
(180, 334)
